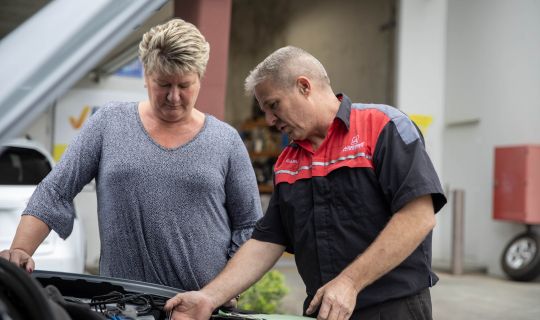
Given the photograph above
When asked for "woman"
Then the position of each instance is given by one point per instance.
(176, 190)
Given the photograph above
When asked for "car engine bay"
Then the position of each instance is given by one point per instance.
(69, 296)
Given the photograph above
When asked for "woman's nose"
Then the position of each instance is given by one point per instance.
(174, 95)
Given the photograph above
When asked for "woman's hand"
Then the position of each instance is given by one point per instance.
(20, 258)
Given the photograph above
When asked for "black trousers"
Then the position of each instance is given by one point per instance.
(415, 307)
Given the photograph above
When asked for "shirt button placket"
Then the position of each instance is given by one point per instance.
(321, 192)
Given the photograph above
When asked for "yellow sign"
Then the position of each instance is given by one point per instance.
(422, 121)
(77, 106)
(76, 123)
(59, 150)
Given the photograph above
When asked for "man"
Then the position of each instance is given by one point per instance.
(354, 200)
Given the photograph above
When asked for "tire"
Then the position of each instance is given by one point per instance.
(521, 257)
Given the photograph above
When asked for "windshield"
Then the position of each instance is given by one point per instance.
(21, 166)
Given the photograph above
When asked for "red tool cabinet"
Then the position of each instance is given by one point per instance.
(516, 189)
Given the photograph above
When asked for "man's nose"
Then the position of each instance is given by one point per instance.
(270, 118)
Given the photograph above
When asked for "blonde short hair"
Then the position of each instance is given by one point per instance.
(283, 66)
(174, 47)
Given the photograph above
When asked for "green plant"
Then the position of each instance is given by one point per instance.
(265, 295)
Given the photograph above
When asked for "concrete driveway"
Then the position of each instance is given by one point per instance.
(465, 297)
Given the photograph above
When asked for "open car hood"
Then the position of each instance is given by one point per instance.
(65, 296)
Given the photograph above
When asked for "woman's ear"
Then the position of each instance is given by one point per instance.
(145, 77)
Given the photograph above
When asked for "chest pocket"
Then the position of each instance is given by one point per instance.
(357, 196)
(296, 205)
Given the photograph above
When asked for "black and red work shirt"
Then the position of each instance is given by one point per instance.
(330, 204)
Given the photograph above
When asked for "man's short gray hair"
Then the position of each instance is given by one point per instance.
(283, 66)
(174, 47)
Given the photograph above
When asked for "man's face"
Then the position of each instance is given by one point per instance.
(286, 109)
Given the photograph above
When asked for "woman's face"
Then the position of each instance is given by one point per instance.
(173, 97)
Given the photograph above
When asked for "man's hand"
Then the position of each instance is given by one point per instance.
(190, 306)
(337, 299)
(20, 258)
(233, 303)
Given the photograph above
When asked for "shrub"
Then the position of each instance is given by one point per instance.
(265, 295)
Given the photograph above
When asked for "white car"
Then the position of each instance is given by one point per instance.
(23, 164)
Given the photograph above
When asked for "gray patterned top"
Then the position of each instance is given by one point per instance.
(166, 216)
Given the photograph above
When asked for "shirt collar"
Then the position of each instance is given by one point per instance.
(344, 111)
(343, 114)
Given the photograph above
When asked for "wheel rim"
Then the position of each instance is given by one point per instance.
(521, 253)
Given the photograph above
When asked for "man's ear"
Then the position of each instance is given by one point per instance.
(304, 85)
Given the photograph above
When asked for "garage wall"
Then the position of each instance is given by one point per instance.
(353, 39)
(492, 99)
(41, 129)
(421, 89)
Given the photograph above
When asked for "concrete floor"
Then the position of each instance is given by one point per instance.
(470, 296)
